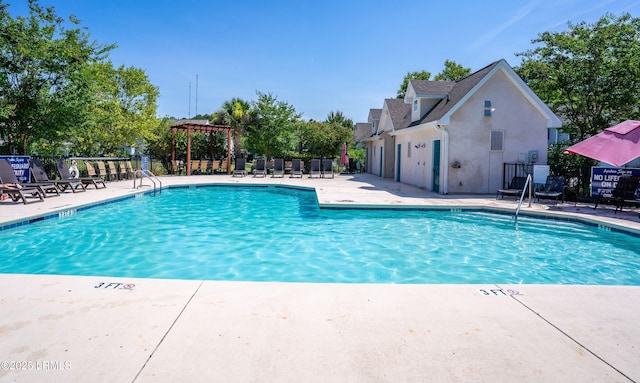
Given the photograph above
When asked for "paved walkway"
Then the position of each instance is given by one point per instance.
(72, 329)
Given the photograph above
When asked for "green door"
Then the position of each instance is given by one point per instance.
(435, 180)
(398, 163)
(380, 175)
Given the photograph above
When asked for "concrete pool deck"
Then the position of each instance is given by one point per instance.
(68, 329)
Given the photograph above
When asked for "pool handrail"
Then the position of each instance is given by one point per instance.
(524, 190)
(148, 174)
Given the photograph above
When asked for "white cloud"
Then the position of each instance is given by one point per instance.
(521, 13)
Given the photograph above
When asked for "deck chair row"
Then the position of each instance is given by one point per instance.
(553, 188)
(200, 166)
(42, 186)
(320, 168)
(111, 171)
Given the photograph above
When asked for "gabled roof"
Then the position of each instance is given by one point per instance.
(431, 88)
(459, 89)
(363, 130)
(464, 89)
(399, 112)
(374, 114)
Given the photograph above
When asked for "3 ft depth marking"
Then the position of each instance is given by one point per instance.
(114, 285)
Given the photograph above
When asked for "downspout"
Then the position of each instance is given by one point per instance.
(445, 172)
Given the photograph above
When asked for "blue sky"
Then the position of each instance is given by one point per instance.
(318, 56)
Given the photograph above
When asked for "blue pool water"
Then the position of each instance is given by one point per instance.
(280, 234)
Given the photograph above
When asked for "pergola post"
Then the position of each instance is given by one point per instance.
(210, 146)
(188, 151)
(173, 147)
(229, 151)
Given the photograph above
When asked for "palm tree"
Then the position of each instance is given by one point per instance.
(236, 114)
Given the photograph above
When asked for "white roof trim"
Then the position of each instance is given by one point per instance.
(417, 128)
(552, 120)
(407, 98)
(432, 95)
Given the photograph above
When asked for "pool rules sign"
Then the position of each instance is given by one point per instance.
(604, 180)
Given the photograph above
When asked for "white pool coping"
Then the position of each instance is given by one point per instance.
(66, 328)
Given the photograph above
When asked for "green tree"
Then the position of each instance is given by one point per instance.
(589, 74)
(452, 72)
(201, 146)
(422, 75)
(338, 117)
(41, 97)
(123, 112)
(271, 128)
(159, 143)
(324, 139)
(358, 155)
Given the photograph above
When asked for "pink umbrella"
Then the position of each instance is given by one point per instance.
(616, 145)
(343, 156)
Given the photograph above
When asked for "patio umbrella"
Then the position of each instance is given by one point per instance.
(616, 145)
(343, 156)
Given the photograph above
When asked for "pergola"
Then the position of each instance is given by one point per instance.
(199, 126)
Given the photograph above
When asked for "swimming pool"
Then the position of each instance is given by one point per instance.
(276, 233)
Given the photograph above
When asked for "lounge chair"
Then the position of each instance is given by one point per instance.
(113, 171)
(8, 176)
(278, 167)
(19, 193)
(514, 188)
(207, 166)
(327, 168)
(240, 169)
(215, 166)
(91, 170)
(224, 166)
(553, 188)
(124, 172)
(130, 168)
(260, 168)
(40, 176)
(296, 168)
(66, 175)
(102, 171)
(314, 169)
(626, 192)
(194, 166)
(177, 167)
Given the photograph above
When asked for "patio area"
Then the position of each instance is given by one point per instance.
(100, 328)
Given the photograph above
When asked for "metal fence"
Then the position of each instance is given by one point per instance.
(509, 171)
(577, 178)
(577, 182)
